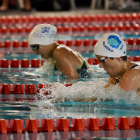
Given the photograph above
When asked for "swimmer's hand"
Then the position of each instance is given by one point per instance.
(33, 75)
(58, 100)
(92, 99)
(76, 99)
(111, 81)
(29, 74)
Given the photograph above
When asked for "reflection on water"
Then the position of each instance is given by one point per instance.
(30, 106)
(39, 75)
(108, 102)
(75, 135)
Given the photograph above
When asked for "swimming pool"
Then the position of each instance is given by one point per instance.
(25, 106)
(114, 103)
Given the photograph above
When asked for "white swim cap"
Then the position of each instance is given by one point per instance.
(42, 34)
(110, 45)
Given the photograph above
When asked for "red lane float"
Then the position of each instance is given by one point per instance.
(4, 63)
(93, 124)
(14, 63)
(70, 19)
(17, 89)
(35, 63)
(24, 63)
(29, 88)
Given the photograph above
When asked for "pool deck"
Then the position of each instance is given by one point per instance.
(70, 12)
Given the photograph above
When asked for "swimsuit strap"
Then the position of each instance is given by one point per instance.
(80, 66)
(117, 80)
(133, 66)
(84, 62)
(83, 65)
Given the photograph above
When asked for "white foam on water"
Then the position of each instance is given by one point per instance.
(90, 91)
(81, 92)
(47, 67)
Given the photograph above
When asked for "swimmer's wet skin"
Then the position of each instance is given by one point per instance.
(82, 70)
(127, 74)
(41, 39)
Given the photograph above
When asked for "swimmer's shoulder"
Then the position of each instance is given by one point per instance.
(132, 72)
(61, 52)
(62, 49)
(131, 79)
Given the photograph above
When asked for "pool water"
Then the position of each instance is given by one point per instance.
(38, 106)
(114, 103)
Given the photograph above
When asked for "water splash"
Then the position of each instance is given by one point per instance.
(89, 91)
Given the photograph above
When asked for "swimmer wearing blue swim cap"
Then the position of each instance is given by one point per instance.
(68, 61)
(111, 51)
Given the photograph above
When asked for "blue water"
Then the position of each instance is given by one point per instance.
(99, 109)
(36, 106)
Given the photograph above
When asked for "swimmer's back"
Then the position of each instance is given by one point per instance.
(65, 52)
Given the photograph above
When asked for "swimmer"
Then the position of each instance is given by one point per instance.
(64, 59)
(110, 50)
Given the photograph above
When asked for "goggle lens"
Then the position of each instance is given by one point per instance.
(35, 47)
(102, 60)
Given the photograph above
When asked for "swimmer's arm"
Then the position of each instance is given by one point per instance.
(65, 64)
(34, 75)
(61, 99)
(111, 81)
(131, 81)
(91, 99)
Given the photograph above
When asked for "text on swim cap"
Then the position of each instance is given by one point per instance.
(44, 34)
(121, 47)
(107, 47)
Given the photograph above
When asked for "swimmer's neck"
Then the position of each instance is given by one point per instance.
(52, 48)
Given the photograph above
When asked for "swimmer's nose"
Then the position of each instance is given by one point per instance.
(101, 65)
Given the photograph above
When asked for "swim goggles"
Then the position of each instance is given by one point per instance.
(102, 60)
(35, 47)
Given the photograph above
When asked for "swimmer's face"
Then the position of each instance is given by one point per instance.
(112, 66)
(40, 50)
(35, 47)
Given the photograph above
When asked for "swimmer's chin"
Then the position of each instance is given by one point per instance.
(112, 76)
(44, 57)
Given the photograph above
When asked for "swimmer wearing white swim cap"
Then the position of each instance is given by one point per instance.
(111, 51)
(68, 61)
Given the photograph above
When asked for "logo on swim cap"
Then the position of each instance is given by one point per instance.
(114, 41)
(110, 45)
(52, 33)
(45, 29)
(42, 34)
